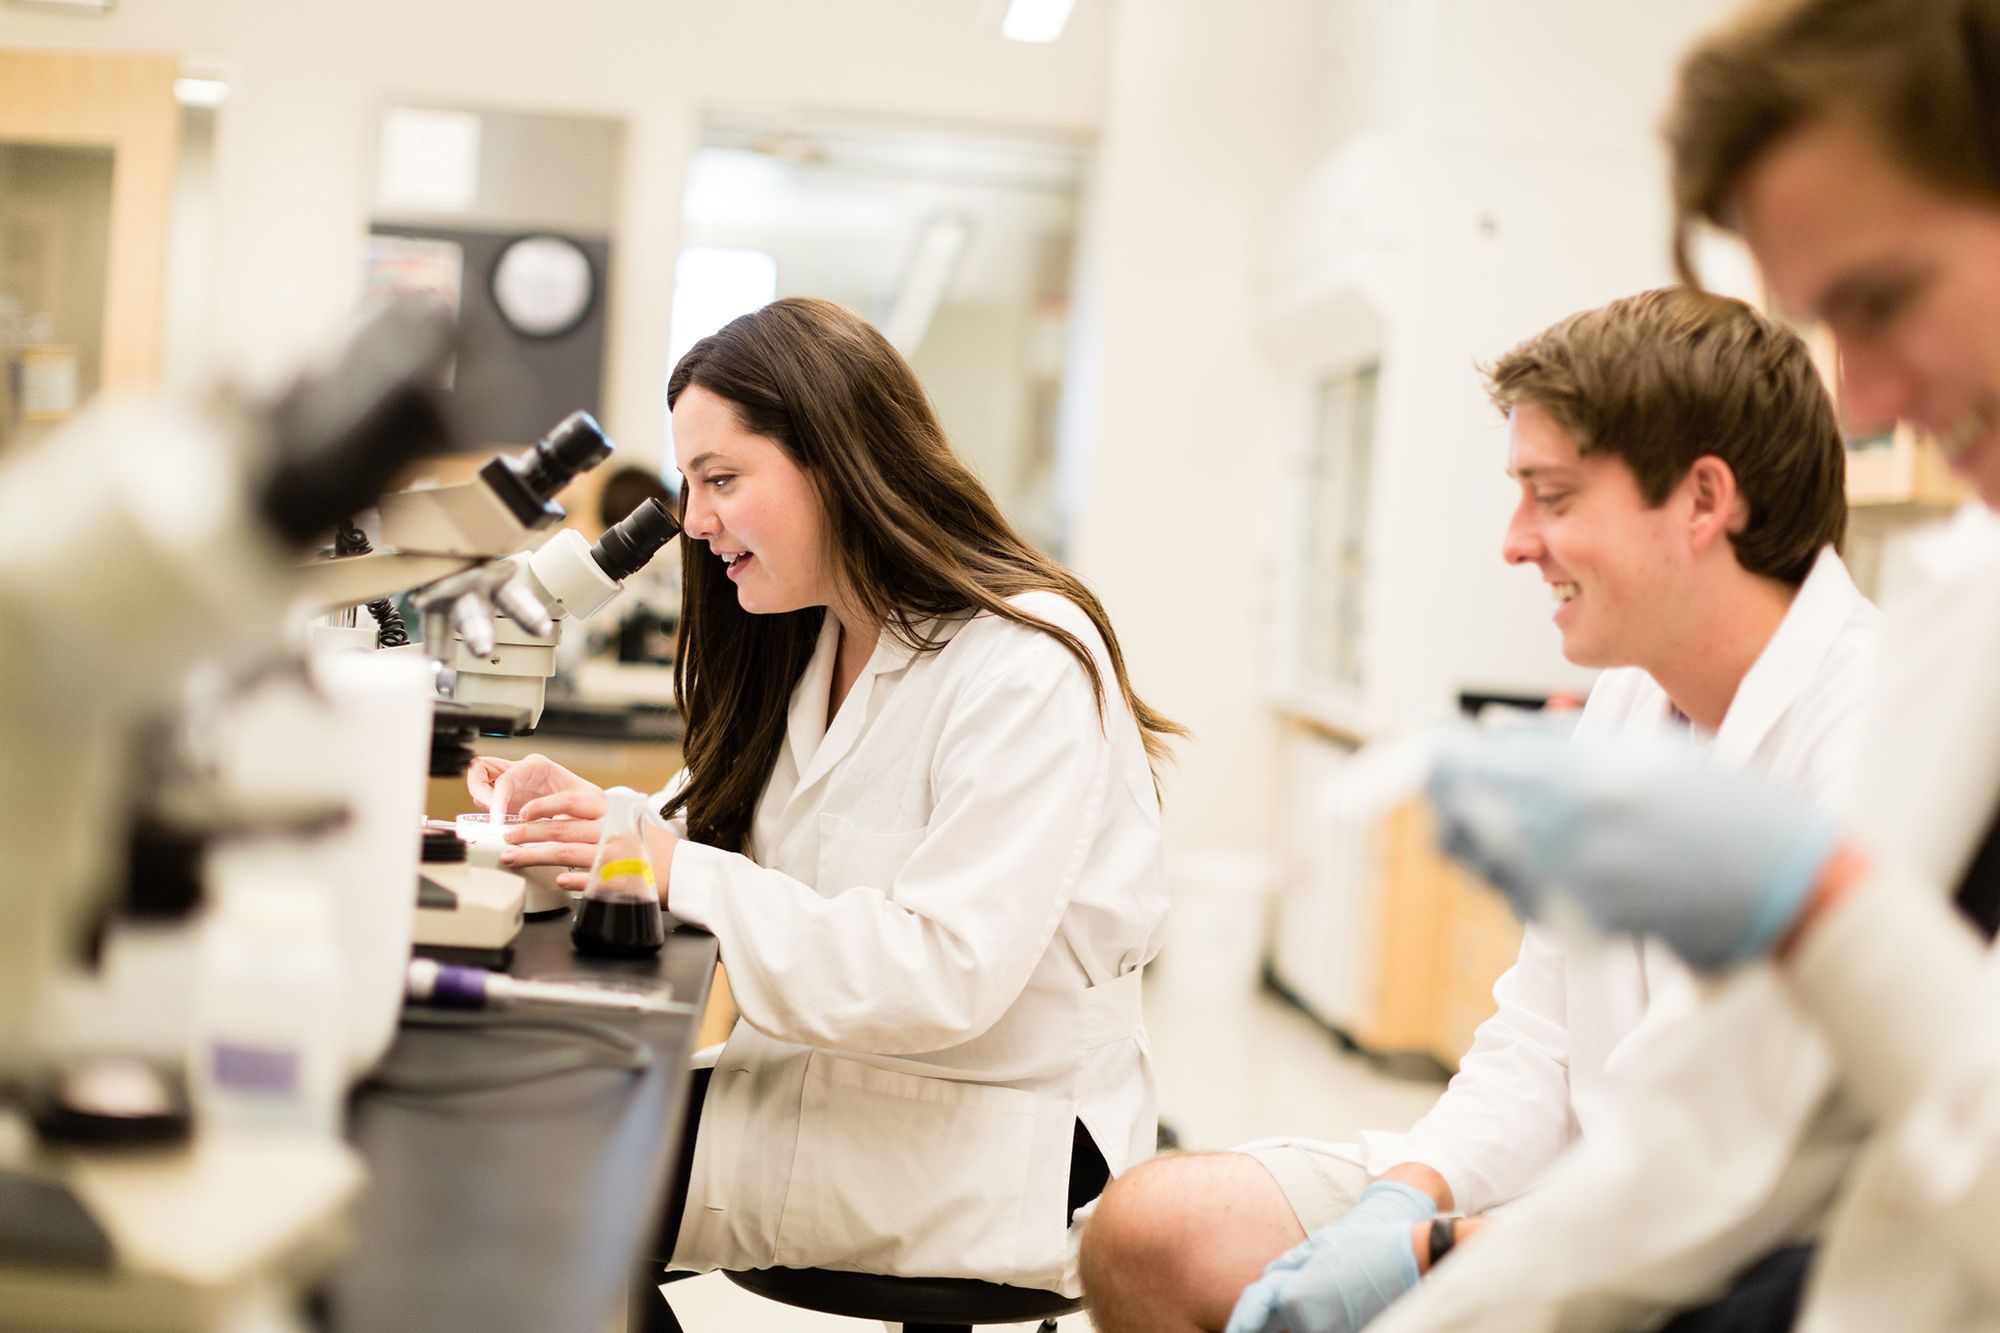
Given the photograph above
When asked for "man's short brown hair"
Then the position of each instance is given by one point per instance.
(1923, 76)
(1661, 379)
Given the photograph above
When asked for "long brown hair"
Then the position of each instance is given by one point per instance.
(914, 536)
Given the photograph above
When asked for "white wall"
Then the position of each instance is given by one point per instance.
(1470, 170)
(1172, 447)
(536, 172)
(295, 143)
(1494, 167)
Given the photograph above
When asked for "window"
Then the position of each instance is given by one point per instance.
(713, 285)
(1336, 533)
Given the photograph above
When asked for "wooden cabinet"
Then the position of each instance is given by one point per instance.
(1443, 940)
(84, 261)
(1376, 935)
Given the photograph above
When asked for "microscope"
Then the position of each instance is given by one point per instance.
(491, 613)
(141, 543)
(563, 578)
(491, 610)
(167, 750)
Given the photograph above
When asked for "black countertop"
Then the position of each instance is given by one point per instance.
(578, 719)
(523, 1208)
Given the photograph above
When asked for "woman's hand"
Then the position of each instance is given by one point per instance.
(558, 829)
(513, 784)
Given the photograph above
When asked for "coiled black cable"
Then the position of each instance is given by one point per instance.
(390, 629)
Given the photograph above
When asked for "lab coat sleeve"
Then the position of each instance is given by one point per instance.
(1505, 1117)
(1722, 1146)
(1906, 997)
(934, 957)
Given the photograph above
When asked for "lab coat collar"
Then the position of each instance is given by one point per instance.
(805, 720)
(816, 744)
(1791, 660)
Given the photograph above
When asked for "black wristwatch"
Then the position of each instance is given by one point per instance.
(1444, 1234)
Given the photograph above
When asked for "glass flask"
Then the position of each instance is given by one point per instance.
(619, 914)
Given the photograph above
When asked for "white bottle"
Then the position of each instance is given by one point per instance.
(365, 718)
(269, 1037)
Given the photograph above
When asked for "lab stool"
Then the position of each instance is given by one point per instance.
(919, 1304)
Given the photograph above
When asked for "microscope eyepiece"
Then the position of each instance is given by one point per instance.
(528, 484)
(628, 544)
(577, 444)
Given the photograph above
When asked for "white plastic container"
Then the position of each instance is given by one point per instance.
(269, 1038)
(359, 738)
(485, 838)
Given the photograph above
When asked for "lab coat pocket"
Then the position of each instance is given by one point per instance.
(900, 1173)
(853, 857)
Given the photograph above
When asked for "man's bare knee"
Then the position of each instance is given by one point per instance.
(1133, 1218)
(1175, 1240)
(1125, 1255)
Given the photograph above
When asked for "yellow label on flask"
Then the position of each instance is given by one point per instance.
(631, 865)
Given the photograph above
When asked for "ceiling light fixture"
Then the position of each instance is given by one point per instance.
(1035, 20)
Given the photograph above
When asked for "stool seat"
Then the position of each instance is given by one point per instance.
(910, 1301)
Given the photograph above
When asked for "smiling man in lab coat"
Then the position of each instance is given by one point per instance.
(1681, 482)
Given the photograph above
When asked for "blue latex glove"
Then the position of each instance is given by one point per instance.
(1640, 833)
(1344, 1274)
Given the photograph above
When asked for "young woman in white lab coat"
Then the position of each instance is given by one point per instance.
(919, 816)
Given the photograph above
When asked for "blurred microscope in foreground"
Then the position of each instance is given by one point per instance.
(211, 910)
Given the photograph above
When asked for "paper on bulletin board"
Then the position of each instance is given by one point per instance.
(414, 266)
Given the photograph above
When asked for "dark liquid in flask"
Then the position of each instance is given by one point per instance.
(618, 927)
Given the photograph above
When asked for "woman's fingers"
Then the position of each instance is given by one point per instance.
(565, 805)
(515, 783)
(481, 777)
(576, 855)
(553, 830)
(549, 776)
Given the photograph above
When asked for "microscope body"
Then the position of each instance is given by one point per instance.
(142, 546)
(565, 581)
(566, 577)
(125, 557)
(431, 533)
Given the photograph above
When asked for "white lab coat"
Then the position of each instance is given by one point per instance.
(1572, 1022)
(936, 947)
(1905, 993)
(1902, 1001)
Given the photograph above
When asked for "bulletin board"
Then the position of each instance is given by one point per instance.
(508, 388)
